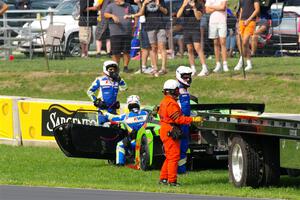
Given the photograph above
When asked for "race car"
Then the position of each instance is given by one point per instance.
(91, 140)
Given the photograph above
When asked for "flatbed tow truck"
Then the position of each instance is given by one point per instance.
(258, 146)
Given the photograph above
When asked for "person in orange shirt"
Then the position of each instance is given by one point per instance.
(171, 118)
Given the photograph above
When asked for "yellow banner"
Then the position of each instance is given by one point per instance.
(6, 118)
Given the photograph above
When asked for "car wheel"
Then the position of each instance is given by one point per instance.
(144, 154)
(245, 166)
(73, 46)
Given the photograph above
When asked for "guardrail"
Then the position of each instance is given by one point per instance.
(7, 30)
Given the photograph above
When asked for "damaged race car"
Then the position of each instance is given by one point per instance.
(88, 139)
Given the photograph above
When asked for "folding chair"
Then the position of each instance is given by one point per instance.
(55, 40)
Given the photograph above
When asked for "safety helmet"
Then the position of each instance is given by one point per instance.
(171, 87)
(184, 75)
(133, 103)
(110, 63)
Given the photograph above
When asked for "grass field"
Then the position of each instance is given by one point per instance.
(274, 81)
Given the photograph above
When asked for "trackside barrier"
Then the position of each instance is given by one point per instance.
(9, 120)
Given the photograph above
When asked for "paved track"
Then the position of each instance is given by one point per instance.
(45, 193)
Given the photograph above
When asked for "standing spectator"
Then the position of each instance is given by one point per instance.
(154, 10)
(3, 7)
(262, 26)
(218, 30)
(191, 12)
(249, 10)
(120, 29)
(87, 19)
(203, 25)
(144, 43)
(231, 33)
(102, 30)
(170, 133)
(298, 31)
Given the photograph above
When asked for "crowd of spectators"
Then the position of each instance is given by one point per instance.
(192, 22)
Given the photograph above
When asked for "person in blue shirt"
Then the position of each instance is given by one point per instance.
(134, 120)
(108, 87)
(184, 77)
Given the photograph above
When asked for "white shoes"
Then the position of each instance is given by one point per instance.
(248, 68)
(193, 70)
(146, 70)
(225, 68)
(218, 68)
(204, 71)
(238, 66)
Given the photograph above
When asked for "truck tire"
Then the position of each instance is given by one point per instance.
(144, 154)
(271, 161)
(245, 166)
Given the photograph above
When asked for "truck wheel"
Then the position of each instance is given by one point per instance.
(144, 154)
(271, 162)
(245, 167)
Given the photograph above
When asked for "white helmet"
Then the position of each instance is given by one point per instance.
(171, 84)
(171, 87)
(133, 103)
(107, 64)
(187, 71)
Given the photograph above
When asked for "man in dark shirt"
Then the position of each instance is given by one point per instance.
(249, 10)
(120, 29)
(87, 19)
(154, 11)
(192, 12)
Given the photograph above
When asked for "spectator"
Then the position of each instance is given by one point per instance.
(231, 33)
(144, 43)
(262, 26)
(218, 31)
(203, 25)
(191, 12)
(107, 87)
(3, 7)
(178, 37)
(87, 19)
(134, 120)
(102, 30)
(154, 10)
(170, 133)
(119, 14)
(298, 31)
(249, 10)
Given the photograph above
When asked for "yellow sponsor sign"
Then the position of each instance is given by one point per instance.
(6, 118)
(37, 122)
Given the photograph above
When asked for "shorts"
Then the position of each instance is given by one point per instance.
(120, 43)
(85, 34)
(217, 30)
(178, 37)
(157, 36)
(247, 30)
(190, 37)
(203, 21)
(145, 44)
(99, 35)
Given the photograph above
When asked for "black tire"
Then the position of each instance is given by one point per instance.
(144, 154)
(245, 166)
(271, 161)
(293, 172)
(73, 48)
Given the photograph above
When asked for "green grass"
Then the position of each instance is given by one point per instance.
(36, 166)
(274, 81)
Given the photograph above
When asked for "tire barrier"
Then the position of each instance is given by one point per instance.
(29, 121)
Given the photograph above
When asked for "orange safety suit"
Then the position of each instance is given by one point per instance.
(170, 113)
